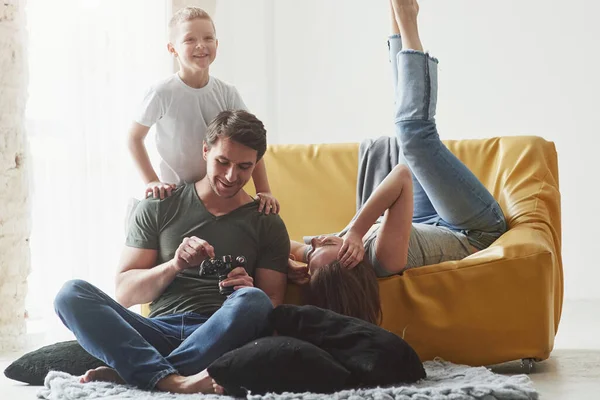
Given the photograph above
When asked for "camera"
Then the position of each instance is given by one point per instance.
(222, 267)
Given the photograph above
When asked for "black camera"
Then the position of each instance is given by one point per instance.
(222, 267)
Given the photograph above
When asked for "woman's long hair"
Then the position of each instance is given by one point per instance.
(353, 292)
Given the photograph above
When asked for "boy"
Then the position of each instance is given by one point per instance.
(182, 106)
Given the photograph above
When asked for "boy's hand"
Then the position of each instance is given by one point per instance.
(297, 272)
(191, 252)
(352, 251)
(159, 189)
(238, 278)
(268, 203)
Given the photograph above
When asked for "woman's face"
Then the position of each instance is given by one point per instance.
(324, 251)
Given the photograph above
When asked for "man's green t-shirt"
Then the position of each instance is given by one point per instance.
(163, 224)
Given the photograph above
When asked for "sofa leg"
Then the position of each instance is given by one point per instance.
(527, 364)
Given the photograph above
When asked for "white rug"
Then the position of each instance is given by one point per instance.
(445, 381)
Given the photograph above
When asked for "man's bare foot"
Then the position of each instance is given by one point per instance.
(199, 383)
(104, 374)
(218, 388)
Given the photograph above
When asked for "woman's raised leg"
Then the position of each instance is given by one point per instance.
(458, 197)
(423, 210)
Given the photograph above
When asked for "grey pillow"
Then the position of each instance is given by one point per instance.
(68, 357)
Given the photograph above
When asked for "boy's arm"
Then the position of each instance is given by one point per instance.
(259, 176)
(135, 142)
(268, 203)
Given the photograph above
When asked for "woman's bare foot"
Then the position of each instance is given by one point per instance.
(104, 374)
(394, 29)
(405, 13)
(408, 8)
(199, 383)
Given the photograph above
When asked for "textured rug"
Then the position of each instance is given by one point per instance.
(445, 381)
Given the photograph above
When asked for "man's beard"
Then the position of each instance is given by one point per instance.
(213, 186)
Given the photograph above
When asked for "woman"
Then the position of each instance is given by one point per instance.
(434, 208)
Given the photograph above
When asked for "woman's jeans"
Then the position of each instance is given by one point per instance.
(145, 350)
(446, 192)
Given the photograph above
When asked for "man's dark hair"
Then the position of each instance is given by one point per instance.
(240, 126)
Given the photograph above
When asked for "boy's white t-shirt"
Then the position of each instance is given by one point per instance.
(181, 115)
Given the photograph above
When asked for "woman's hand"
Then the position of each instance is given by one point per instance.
(268, 203)
(297, 273)
(352, 251)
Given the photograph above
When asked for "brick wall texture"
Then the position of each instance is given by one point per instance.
(15, 215)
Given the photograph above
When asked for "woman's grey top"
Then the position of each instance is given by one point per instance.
(428, 244)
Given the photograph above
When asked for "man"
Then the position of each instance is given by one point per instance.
(191, 324)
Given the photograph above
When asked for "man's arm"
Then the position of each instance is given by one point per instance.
(271, 270)
(139, 279)
(273, 283)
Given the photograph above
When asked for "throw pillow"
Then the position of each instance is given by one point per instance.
(278, 364)
(67, 357)
(373, 355)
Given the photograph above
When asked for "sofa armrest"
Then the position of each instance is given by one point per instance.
(522, 241)
(471, 310)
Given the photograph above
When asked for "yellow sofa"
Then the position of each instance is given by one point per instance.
(500, 304)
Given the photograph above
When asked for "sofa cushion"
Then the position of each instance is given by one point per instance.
(68, 357)
(278, 364)
(373, 355)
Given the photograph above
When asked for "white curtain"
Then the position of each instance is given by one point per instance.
(90, 64)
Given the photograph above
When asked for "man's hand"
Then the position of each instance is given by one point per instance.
(297, 272)
(352, 251)
(191, 252)
(159, 189)
(268, 203)
(238, 278)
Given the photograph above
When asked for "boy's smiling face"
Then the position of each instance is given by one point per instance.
(194, 43)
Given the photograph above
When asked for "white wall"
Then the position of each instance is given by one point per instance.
(245, 54)
(317, 71)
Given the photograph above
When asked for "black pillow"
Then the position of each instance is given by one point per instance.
(278, 364)
(68, 357)
(373, 355)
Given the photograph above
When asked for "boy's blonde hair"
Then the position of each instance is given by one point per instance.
(188, 14)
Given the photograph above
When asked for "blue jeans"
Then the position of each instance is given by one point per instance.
(446, 192)
(145, 350)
